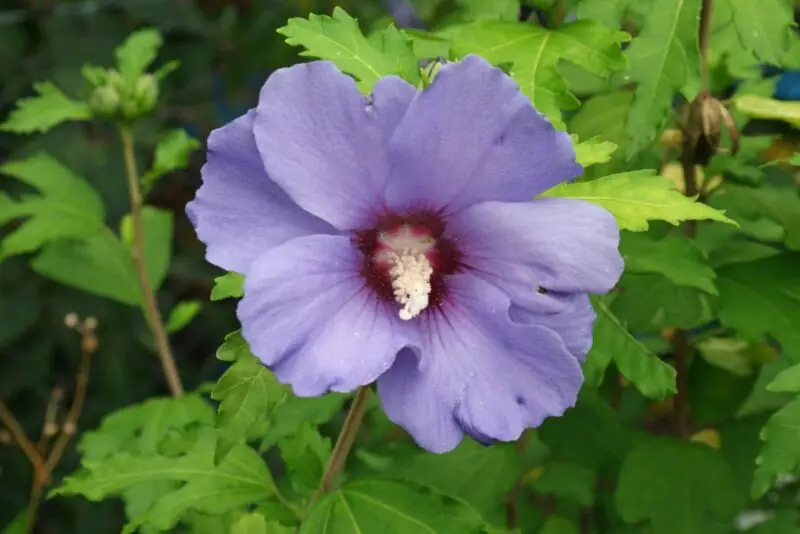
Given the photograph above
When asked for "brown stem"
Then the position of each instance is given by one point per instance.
(152, 314)
(20, 437)
(344, 443)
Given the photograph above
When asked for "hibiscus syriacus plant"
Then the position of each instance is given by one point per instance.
(396, 238)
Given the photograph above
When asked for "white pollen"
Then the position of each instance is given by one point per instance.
(411, 281)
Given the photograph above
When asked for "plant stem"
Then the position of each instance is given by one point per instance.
(150, 304)
(343, 443)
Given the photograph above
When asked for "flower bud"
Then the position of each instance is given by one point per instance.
(145, 93)
(105, 100)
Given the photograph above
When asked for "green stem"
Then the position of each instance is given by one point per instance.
(149, 303)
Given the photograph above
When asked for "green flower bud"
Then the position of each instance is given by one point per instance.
(114, 79)
(104, 100)
(145, 93)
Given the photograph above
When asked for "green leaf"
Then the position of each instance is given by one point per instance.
(255, 523)
(679, 259)
(763, 297)
(779, 454)
(759, 107)
(783, 522)
(19, 525)
(230, 285)
(339, 39)
(172, 153)
(137, 52)
(488, 10)
(764, 27)
(651, 302)
(664, 59)
(594, 151)
(787, 381)
(233, 347)
(558, 525)
(305, 453)
(143, 428)
(294, 411)
(240, 479)
(476, 474)
(609, 14)
(567, 480)
(247, 391)
(535, 53)
(652, 376)
(715, 394)
(66, 207)
(182, 314)
(396, 45)
(778, 204)
(391, 508)
(636, 197)
(48, 109)
(676, 486)
(736, 356)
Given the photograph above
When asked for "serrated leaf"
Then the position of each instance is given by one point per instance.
(66, 206)
(182, 314)
(676, 486)
(652, 376)
(763, 297)
(778, 204)
(137, 52)
(48, 109)
(594, 151)
(233, 347)
(478, 475)
(779, 454)
(247, 391)
(637, 197)
(398, 46)
(535, 53)
(760, 107)
(240, 479)
(567, 480)
(610, 14)
(787, 381)
(391, 508)
(295, 411)
(679, 259)
(764, 27)
(230, 285)
(305, 453)
(664, 59)
(339, 39)
(172, 153)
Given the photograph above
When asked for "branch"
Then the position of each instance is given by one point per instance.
(150, 304)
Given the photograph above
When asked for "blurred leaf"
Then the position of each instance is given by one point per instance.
(247, 392)
(157, 241)
(787, 381)
(779, 454)
(67, 206)
(736, 356)
(651, 302)
(48, 109)
(488, 9)
(784, 522)
(19, 525)
(715, 394)
(535, 53)
(764, 28)
(676, 486)
(763, 297)
(566, 480)
(476, 474)
(653, 377)
(142, 428)
(664, 59)
(182, 314)
(558, 525)
(255, 523)
(677, 258)
(759, 107)
(240, 479)
(778, 204)
(391, 508)
(609, 14)
(339, 39)
(172, 153)
(740, 445)
(637, 197)
(594, 151)
(604, 115)
(137, 52)
(230, 285)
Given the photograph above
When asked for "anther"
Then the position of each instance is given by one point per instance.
(411, 281)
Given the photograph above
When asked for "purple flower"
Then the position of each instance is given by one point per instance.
(396, 239)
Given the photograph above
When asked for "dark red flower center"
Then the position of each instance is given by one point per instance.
(402, 251)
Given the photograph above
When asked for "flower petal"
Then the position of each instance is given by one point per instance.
(573, 321)
(558, 245)
(325, 143)
(478, 373)
(473, 136)
(307, 315)
(238, 212)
